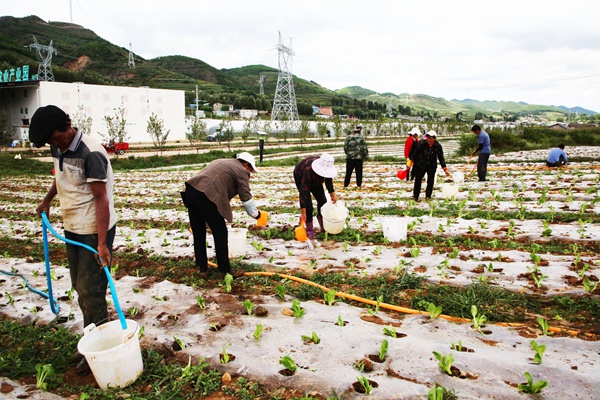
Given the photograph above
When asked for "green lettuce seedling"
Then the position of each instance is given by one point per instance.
(445, 362)
(258, 332)
(390, 331)
(544, 326)
(227, 280)
(280, 289)
(330, 297)
(224, 356)
(249, 306)
(383, 349)
(201, 301)
(296, 309)
(364, 382)
(43, 372)
(340, 321)
(478, 320)
(530, 386)
(436, 393)
(457, 347)
(312, 338)
(288, 363)
(539, 351)
(434, 311)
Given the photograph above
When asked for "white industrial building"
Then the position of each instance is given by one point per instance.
(19, 100)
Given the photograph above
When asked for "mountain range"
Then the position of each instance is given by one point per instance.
(86, 57)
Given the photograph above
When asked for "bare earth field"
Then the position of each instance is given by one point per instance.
(483, 235)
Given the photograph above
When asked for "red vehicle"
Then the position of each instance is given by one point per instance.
(117, 148)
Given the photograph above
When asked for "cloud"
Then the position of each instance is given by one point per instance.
(511, 50)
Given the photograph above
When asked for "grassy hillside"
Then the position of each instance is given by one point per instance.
(84, 56)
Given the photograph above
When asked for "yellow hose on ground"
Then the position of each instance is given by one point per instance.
(403, 310)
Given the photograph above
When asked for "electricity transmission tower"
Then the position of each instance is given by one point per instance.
(285, 107)
(131, 63)
(261, 80)
(45, 67)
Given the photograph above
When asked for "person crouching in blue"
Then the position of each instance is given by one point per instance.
(557, 156)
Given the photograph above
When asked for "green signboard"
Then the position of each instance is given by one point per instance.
(18, 74)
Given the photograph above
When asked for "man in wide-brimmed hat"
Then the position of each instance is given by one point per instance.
(309, 175)
(207, 196)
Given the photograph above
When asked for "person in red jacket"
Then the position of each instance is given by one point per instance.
(413, 137)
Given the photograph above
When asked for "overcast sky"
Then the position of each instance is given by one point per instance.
(540, 52)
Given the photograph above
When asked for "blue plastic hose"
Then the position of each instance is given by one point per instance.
(113, 290)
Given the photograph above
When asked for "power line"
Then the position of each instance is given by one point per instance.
(533, 83)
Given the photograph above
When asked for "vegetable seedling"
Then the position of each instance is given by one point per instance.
(179, 342)
(280, 289)
(227, 281)
(436, 393)
(478, 320)
(383, 349)
(544, 326)
(444, 362)
(457, 347)
(224, 356)
(288, 363)
(312, 338)
(249, 306)
(340, 321)
(589, 286)
(258, 332)
(539, 351)
(390, 331)
(296, 309)
(201, 301)
(330, 297)
(43, 372)
(530, 386)
(364, 382)
(434, 311)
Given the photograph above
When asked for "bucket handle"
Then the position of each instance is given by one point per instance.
(113, 291)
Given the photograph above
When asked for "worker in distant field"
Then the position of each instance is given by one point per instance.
(557, 156)
(309, 175)
(413, 137)
(485, 150)
(83, 182)
(355, 147)
(207, 196)
(425, 155)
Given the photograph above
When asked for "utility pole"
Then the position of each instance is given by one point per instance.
(196, 111)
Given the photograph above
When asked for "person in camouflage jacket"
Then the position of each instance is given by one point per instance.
(356, 151)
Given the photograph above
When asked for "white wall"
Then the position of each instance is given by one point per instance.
(139, 103)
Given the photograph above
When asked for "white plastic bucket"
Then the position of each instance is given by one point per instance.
(237, 241)
(394, 228)
(449, 190)
(113, 354)
(334, 216)
(458, 177)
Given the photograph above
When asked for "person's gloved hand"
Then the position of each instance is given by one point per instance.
(262, 218)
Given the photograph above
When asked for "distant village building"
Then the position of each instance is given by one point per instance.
(20, 99)
(325, 112)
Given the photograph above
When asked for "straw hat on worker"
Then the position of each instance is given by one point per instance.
(324, 166)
